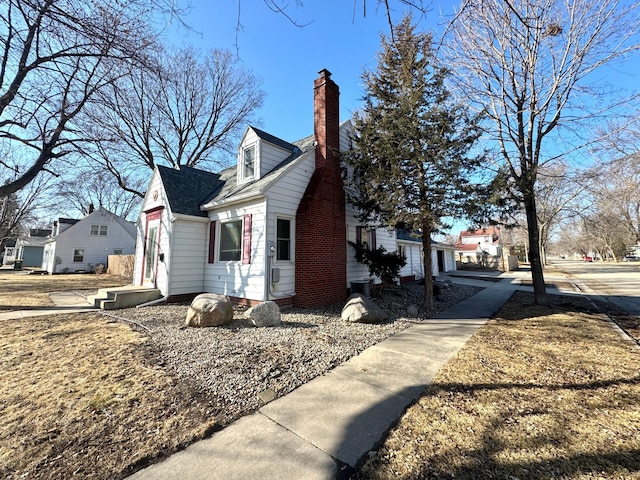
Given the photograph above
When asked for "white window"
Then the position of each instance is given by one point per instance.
(231, 241)
(78, 255)
(283, 239)
(100, 230)
(248, 162)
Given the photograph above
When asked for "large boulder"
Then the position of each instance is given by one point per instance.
(265, 314)
(209, 310)
(360, 309)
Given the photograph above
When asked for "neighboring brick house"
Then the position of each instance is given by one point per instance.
(482, 246)
(275, 226)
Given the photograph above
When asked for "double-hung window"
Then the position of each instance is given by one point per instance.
(249, 162)
(99, 230)
(366, 236)
(283, 239)
(78, 255)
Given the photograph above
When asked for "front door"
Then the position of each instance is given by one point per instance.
(151, 254)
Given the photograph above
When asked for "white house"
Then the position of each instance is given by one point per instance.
(80, 245)
(443, 257)
(275, 226)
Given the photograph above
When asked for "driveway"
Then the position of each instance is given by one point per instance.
(617, 282)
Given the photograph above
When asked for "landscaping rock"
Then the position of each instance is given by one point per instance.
(360, 309)
(265, 314)
(209, 310)
(412, 310)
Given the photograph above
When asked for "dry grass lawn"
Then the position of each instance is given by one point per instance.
(537, 393)
(81, 397)
(19, 291)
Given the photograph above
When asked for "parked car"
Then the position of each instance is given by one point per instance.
(631, 258)
(588, 259)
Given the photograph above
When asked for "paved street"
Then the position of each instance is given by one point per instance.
(618, 282)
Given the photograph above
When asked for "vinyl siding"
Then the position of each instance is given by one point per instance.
(165, 232)
(234, 278)
(282, 202)
(96, 248)
(187, 256)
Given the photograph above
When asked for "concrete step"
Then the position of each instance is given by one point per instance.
(123, 297)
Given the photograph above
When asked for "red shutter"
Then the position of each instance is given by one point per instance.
(212, 241)
(372, 237)
(246, 240)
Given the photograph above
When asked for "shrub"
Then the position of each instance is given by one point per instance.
(382, 264)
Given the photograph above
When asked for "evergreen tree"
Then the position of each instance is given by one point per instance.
(410, 159)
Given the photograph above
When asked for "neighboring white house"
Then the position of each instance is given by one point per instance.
(10, 251)
(80, 245)
(275, 226)
(30, 248)
(443, 257)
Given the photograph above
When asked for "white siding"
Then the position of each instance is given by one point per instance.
(154, 198)
(188, 256)
(268, 155)
(282, 202)
(235, 278)
(97, 248)
(414, 266)
(384, 238)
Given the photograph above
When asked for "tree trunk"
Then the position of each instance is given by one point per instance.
(537, 275)
(427, 265)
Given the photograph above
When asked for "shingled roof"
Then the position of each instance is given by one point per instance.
(187, 188)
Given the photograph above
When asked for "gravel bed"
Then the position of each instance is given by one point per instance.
(239, 367)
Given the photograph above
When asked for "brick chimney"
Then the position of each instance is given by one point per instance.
(321, 242)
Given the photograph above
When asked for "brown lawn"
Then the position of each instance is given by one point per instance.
(23, 291)
(537, 393)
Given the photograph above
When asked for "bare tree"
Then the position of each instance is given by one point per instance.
(182, 112)
(556, 193)
(91, 188)
(527, 63)
(615, 193)
(18, 210)
(53, 59)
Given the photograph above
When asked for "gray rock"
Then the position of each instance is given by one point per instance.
(265, 314)
(360, 309)
(209, 310)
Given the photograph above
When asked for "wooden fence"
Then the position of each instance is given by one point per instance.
(121, 265)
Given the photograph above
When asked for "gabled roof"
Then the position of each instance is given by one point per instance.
(188, 187)
(267, 137)
(128, 227)
(230, 190)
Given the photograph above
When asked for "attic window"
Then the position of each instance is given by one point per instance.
(100, 230)
(248, 162)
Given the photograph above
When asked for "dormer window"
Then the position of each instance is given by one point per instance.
(248, 162)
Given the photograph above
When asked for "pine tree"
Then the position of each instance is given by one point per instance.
(410, 157)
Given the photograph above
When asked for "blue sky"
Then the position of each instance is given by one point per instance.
(288, 58)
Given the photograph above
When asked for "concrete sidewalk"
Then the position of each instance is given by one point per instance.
(65, 302)
(322, 429)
